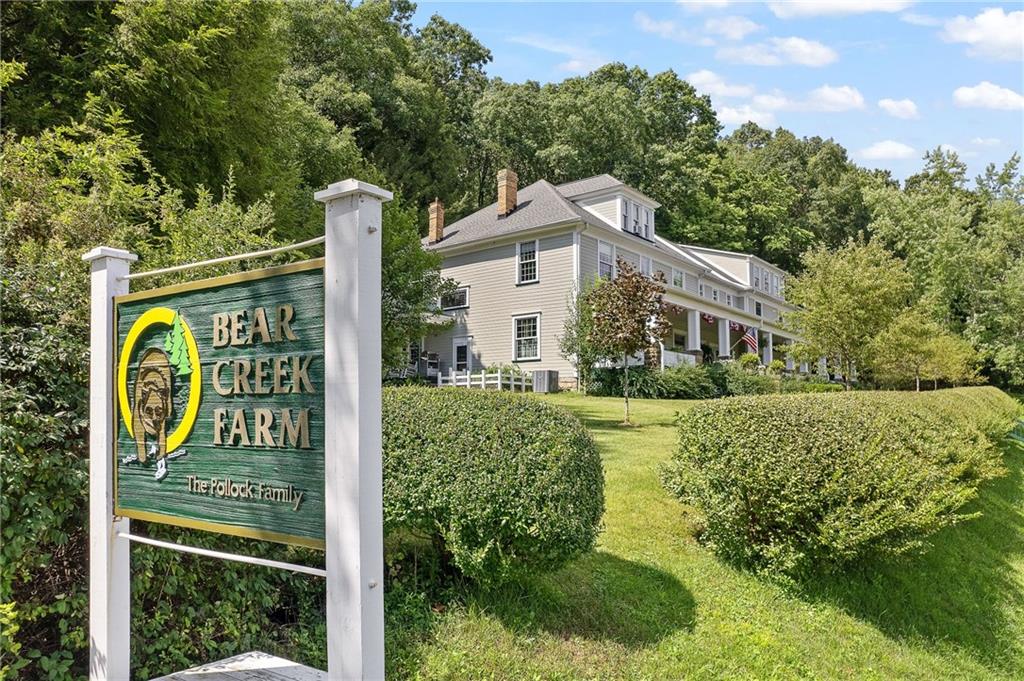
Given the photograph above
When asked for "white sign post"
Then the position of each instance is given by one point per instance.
(352, 437)
(353, 485)
(109, 562)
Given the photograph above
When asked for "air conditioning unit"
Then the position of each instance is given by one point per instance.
(545, 381)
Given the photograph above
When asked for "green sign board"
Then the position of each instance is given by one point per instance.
(220, 407)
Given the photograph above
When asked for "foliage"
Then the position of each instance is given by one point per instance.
(506, 484)
(685, 382)
(913, 347)
(629, 316)
(644, 382)
(807, 385)
(576, 343)
(793, 484)
(846, 298)
(749, 361)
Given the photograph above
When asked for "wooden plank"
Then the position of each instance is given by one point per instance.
(252, 666)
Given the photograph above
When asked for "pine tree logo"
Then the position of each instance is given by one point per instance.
(177, 350)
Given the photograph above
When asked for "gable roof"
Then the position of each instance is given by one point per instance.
(588, 185)
(538, 204)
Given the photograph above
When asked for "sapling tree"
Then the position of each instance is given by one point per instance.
(576, 344)
(629, 314)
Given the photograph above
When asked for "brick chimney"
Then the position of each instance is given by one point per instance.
(508, 182)
(436, 231)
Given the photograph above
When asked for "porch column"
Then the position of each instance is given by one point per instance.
(723, 338)
(768, 352)
(822, 366)
(692, 331)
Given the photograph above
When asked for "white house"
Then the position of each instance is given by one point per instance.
(518, 261)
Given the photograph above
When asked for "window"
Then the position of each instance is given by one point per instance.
(714, 294)
(461, 358)
(677, 278)
(527, 337)
(728, 299)
(700, 289)
(526, 269)
(775, 285)
(648, 223)
(458, 298)
(636, 218)
(757, 277)
(605, 260)
(625, 215)
(645, 265)
(757, 309)
(679, 339)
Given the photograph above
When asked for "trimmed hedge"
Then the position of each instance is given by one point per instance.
(788, 484)
(509, 484)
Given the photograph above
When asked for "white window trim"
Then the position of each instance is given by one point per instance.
(456, 307)
(682, 279)
(614, 259)
(536, 262)
(515, 348)
(468, 341)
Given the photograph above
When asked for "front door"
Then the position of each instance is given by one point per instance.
(462, 356)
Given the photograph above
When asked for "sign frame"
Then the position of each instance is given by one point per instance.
(184, 287)
(353, 490)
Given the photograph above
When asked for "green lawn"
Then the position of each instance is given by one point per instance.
(651, 603)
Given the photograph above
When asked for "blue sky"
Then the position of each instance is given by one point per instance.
(887, 79)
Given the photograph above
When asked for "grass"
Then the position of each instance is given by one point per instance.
(651, 603)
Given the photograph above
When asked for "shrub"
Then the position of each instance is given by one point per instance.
(644, 382)
(793, 483)
(686, 382)
(740, 381)
(507, 483)
(808, 385)
(748, 361)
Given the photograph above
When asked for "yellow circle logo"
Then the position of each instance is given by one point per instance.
(147, 414)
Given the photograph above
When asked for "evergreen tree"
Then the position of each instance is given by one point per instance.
(174, 344)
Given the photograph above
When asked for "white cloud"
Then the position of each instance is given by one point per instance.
(741, 114)
(920, 19)
(778, 51)
(986, 95)
(899, 108)
(581, 59)
(986, 141)
(701, 5)
(992, 34)
(826, 99)
(731, 27)
(668, 29)
(842, 98)
(888, 150)
(813, 8)
(713, 84)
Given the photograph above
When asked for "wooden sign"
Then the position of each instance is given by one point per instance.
(220, 404)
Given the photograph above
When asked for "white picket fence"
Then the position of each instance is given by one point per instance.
(498, 380)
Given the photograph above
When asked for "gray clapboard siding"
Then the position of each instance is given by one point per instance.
(495, 298)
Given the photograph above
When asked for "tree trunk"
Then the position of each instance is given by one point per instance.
(917, 381)
(625, 384)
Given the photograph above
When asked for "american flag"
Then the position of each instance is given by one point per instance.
(709, 318)
(750, 338)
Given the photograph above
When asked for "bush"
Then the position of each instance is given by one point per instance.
(794, 483)
(739, 381)
(644, 382)
(508, 484)
(808, 385)
(685, 382)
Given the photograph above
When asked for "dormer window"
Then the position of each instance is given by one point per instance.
(637, 219)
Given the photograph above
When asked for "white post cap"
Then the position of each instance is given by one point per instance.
(107, 252)
(351, 186)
